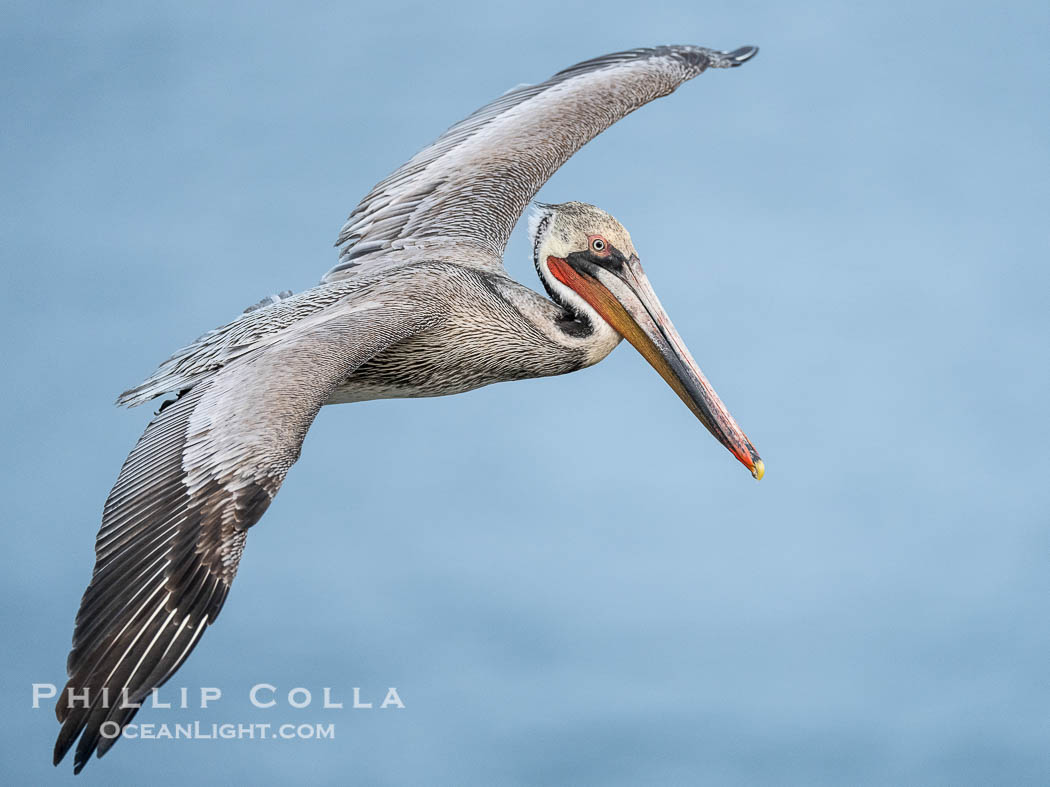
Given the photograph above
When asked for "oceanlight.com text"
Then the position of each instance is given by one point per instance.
(197, 730)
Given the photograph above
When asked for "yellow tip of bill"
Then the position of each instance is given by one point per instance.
(759, 471)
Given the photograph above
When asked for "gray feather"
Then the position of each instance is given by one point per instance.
(459, 198)
(175, 524)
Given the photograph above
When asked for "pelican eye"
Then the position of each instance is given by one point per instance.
(598, 245)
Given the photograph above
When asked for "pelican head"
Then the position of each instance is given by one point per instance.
(588, 264)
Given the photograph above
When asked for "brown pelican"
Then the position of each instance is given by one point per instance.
(418, 305)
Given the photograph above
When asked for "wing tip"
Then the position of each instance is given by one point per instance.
(740, 55)
(67, 736)
(60, 750)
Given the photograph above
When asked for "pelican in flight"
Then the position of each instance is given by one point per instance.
(419, 304)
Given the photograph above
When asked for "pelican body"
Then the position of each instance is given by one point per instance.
(419, 304)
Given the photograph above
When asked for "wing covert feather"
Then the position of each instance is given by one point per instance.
(459, 198)
(174, 525)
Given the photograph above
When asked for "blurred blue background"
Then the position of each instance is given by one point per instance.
(568, 580)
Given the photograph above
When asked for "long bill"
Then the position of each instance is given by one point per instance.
(626, 300)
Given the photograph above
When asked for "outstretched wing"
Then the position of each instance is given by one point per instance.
(174, 526)
(469, 187)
